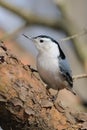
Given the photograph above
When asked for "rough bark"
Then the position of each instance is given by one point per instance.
(24, 103)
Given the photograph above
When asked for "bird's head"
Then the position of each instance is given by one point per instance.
(46, 44)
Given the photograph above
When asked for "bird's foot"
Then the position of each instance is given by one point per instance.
(52, 97)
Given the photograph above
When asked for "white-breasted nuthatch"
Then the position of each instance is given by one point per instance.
(52, 64)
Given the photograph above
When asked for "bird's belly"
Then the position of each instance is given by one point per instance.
(48, 72)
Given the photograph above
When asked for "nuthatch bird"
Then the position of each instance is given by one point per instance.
(52, 65)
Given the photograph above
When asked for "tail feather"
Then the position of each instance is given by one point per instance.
(71, 90)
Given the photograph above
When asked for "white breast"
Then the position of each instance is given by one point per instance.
(47, 64)
(48, 69)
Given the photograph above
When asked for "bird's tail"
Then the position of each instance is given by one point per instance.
(71, 90)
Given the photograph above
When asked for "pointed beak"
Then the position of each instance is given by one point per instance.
(28, 37)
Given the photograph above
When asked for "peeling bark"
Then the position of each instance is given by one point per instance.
(24, 103)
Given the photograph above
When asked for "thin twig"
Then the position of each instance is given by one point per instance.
(74, 36)
(79, 76)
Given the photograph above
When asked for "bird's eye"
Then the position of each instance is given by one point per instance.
(41, 41)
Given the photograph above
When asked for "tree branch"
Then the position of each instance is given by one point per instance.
(24, 103)
(83, 32)
(32, 18)
(79, 76)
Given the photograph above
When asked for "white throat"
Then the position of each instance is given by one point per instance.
(50, 52)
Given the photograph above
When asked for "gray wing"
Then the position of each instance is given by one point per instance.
(66, 71)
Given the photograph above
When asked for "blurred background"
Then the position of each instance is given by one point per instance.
(56, 18)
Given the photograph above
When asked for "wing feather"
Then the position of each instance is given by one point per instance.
(66, 71)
